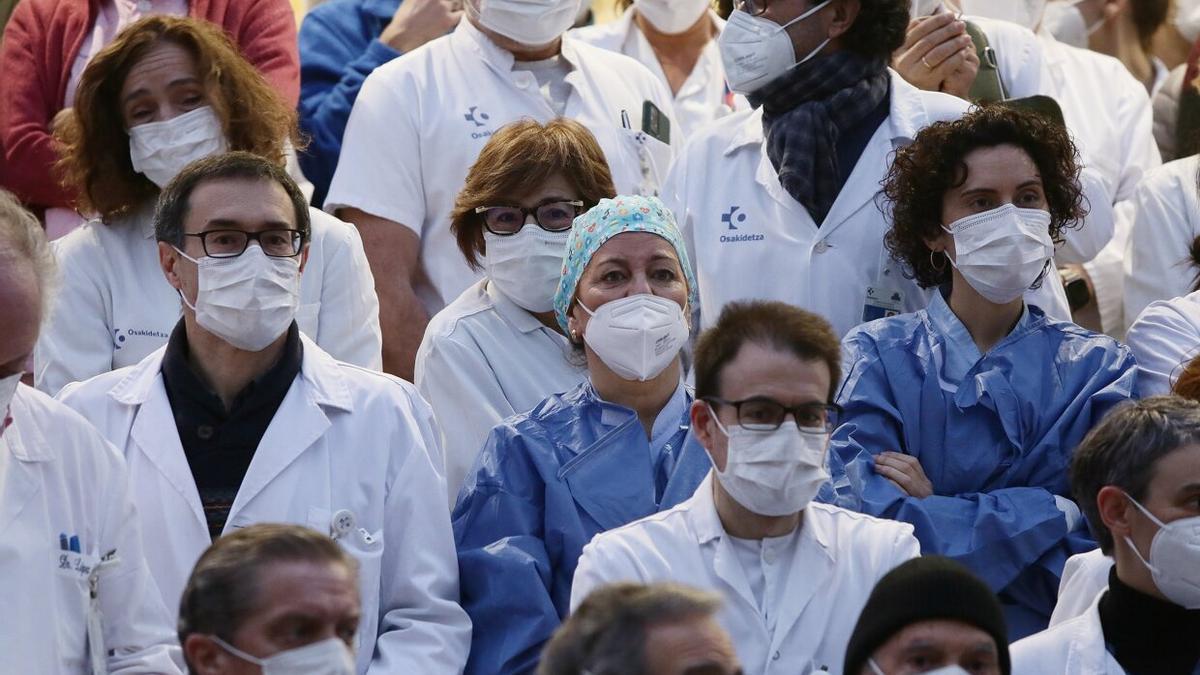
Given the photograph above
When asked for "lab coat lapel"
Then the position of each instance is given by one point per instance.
(154, 435)
(298, 423)
(18, 479)
(711, 533)
(612, 479)
(812, 569)
(862, 185)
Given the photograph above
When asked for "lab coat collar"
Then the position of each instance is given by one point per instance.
(511, 312)
(906, 116)
(19, 482)
(467, 36)
(814, 524)
(26, 440)
(1087, 652)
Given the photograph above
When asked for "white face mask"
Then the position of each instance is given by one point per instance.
(530, 22)
(526, 266)
(1187, 19)
(1174, 558)
(1002, 252)
(160, 150)
(638, 336)
(773, 473)
(247, 301)
(8, 390)
(1027, 13)
(756, 50)
(672, 16)
(330, 656)
(1066, 23)
(944, 670)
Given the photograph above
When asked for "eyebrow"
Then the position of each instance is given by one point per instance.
(173, 83)
(231, 224)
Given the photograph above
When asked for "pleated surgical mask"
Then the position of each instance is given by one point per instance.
(529, 22)
(672, 16)
(1002, 252)
(330, 656)
(160, 150)
(526, 266)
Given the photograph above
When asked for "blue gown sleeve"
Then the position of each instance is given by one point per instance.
(505, 572)
(995, 533)
(336, 56)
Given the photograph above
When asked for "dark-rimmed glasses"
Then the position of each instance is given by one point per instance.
(751, 7)
(277, 243)
(554, 216)
(764, 414)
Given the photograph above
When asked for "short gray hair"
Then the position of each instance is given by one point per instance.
(22, 238)
(606, 634)
(1124, 449)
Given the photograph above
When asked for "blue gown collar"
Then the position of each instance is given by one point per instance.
(961, 351)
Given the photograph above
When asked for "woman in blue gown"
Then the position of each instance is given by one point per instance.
(613, 450)
(961, 418)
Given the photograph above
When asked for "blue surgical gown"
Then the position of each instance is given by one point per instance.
(994, 433)
(545, 483)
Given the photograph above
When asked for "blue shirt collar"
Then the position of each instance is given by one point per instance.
(961, 352)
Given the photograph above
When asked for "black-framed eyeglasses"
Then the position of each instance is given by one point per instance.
(277, 243)
(764, 414)
(554, 216)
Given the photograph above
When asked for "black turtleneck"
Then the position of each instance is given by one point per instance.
(1146, 635)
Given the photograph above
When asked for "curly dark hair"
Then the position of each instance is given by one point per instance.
(93, 144)
(933, 163)
(879, 28)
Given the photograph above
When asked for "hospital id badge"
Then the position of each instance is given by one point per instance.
(882, 301)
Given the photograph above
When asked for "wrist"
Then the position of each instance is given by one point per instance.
(398, 37)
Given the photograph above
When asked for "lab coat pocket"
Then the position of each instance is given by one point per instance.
(308, 319)
(367, 550)
(652, 158)
(71, 602)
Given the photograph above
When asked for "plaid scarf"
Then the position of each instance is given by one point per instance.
(804, 113)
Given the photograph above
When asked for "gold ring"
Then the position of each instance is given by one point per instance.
(926, 63)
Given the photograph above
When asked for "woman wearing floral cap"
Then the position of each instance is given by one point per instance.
(612, 450)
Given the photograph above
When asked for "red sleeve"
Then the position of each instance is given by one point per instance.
(27, 105)
(266, 34)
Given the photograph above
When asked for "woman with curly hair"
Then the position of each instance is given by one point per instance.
(961, 418)
(168, 91)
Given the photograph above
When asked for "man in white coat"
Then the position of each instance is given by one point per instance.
(420, 121)
(240, 419)
(794, 574)
(779, 202)
(1137, 479)
(76, 593)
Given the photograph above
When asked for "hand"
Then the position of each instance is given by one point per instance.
(937, 49)
(419, 21)
(905, 472)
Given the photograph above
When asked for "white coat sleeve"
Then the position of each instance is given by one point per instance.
(348, 323)
(139, 632)
(467, 401)
(1084, 576)
(379, 169)
(422, 627)
(602, 562)
(76, 340)
(1140, 153)
(1086, 241)
(1162, 342)
(1158, 264)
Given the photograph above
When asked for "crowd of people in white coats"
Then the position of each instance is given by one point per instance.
(636, 337)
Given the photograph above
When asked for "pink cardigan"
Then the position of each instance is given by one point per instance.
(40, 44)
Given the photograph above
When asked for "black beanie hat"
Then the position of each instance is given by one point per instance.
(923, 589)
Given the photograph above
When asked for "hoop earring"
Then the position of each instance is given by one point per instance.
(937, 269)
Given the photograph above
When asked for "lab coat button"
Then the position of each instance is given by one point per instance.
(775, 656)
(343, 523)
(821, 247)
(204, 432)
(769, 557)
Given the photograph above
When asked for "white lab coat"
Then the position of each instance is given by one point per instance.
(748, 239)
(840, 556)
(343, 439)
(1075, 647)
(58, 475)
(1167, 219)
(420, 121)
(1163, 339)
(703, 96)
(484, 359)
(1084, 576)
(115, 306)
(1109, 115)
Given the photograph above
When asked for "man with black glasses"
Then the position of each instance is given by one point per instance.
(241, 419)
(794, 574)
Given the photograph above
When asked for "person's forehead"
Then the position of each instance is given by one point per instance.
(634, 247)
(997, 164)
(764, 370)
(677, 646)
(314, 588)
(1176, 470)
(165, 59)
(240, 201)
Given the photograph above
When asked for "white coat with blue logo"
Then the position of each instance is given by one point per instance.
(345, 442)
(64, 506)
